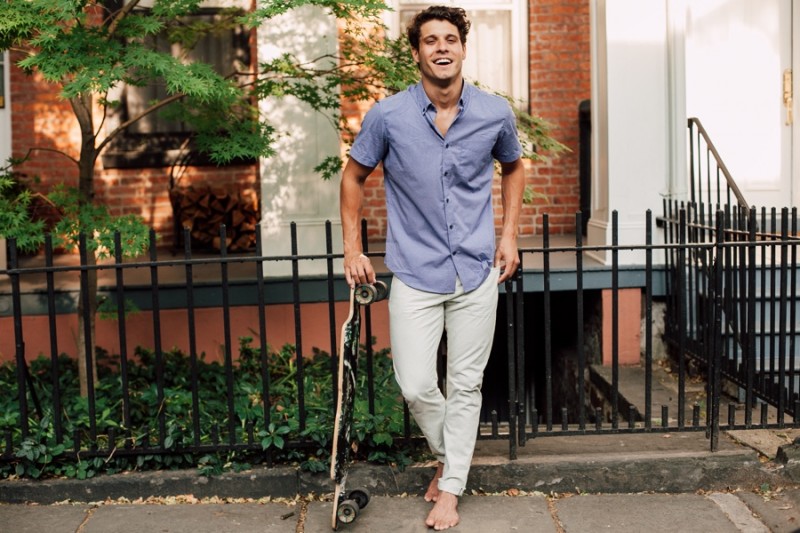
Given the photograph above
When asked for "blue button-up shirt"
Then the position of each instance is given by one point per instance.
(438, 188)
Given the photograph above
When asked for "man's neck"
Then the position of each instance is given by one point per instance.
(444, 97)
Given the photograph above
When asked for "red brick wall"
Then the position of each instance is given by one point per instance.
(559, 80)
(40, 119)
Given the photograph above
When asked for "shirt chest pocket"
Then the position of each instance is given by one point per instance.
(474, 164)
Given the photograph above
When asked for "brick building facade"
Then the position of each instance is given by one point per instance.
(559, 78)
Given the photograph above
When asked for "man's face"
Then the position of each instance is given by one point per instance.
(441, 53)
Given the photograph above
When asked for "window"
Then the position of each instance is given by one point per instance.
(156, 140)
(497, 44)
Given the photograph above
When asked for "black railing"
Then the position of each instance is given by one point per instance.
(572, 391)
(710, 181)
(734, 301)
(121, 433)
(546, 375)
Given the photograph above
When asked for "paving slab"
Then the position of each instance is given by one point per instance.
(200, 518)
(779, 511)
(479, 514)
(738, 513)
(634, 513)
(767, 442)
(39, 518)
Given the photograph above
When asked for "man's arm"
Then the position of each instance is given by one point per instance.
(357, 267)
(512, 187)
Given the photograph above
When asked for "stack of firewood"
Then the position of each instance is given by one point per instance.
(203, 210)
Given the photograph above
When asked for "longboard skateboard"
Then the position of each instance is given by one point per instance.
(347, 504)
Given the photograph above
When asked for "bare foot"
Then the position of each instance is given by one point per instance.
(444, 514)
(433, 489)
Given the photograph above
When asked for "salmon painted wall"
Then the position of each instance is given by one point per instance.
(209, 330)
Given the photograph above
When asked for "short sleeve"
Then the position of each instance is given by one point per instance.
(370, 145)
(507, 148)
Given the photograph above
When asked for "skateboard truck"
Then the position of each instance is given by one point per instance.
(365, 293)
(349, 507)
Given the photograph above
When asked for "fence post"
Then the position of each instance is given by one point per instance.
(750, 354)
(682, 314)
(513, 399)
(522, 404)
(579, 303)
(18, 339)
(716, 342)
(784, 276)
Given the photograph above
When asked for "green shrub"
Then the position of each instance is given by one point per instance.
(276, 438)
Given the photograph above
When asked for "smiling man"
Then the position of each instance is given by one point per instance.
(438, 141)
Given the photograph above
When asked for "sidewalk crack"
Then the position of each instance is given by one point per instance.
(89, 513)
(551, 506)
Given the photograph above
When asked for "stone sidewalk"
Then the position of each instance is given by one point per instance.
(714, 512)
(584, 483)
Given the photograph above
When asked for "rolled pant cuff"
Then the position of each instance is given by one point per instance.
(451, 486)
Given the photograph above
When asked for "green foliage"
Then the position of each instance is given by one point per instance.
(94, 221)
(68, 44)
(15, 220)
(538, 144)
(76, 217)
(107, 309)
(344, 9)
(378, 435)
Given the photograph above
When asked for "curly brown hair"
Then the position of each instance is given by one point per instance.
(454, 15)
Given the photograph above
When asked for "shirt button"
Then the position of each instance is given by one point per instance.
(447, 200)
(451, 226)
(445, 173)
(454, 253)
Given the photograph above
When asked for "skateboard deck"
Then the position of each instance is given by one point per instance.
(347, 504)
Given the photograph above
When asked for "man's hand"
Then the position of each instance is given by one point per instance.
(358, 269)
(507, 258)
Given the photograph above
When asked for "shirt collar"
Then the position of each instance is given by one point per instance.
(425, 103)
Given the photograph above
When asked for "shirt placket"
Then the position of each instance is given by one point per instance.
(449, 163)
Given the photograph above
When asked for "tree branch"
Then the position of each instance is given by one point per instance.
(42, 149)
(124, 125)
(126, 8)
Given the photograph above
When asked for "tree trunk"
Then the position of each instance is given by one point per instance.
(87, 313)
(87, 303)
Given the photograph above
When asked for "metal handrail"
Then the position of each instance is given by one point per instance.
(693, 121)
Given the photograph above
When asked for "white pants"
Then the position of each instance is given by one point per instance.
(416, 322)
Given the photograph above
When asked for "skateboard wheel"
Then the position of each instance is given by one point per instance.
(365, 294)
(360, 496)
(382, 290)
(347, 511)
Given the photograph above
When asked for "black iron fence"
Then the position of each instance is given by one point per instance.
(734, 303)
(547, 375)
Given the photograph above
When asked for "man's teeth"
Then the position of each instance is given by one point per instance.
(443, 61)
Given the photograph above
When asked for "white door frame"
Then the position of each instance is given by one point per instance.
(5, 111)
(5, 132)
(795, 143)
